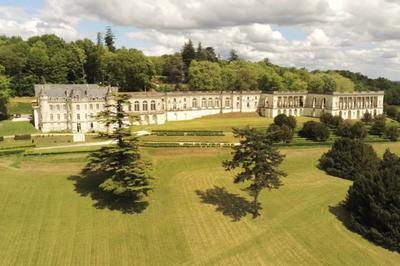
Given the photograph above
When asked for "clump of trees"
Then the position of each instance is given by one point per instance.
(349, 159)
(123, 175)
(378, 125)
(258, 160)
(353, 130)
(316, 131)
(282, 130)
(330, 120)
(4, 93)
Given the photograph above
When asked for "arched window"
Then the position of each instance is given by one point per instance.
(210, 102)
(144, 106)
(153, 105)
(136, 106)
(216, 102)
(174, 104)
(323, 103)
(203, 102)
(314, 102)
(194, 103)
(130, 107)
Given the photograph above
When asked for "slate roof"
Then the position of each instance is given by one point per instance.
(70, 90)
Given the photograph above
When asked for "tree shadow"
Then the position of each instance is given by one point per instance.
(87, 185)
(231, 205)
(341, 214)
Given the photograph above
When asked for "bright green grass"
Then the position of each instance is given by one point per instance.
(43, 221)
(20, 105)
(224, 122)
(11, 128)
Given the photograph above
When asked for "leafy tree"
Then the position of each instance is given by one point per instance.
(201, 54)
(352, 130)
(330, 120)
(281, 133)
(349, 159)
(173, 69)
(378, 125)
(329, 83)
(125, 174)
(204, 75)
(316, 131)
(4, 93)
(258, 159)
(391, 111)
(283, 119)
(392, 132)
(374, 203)
(210, 54)
(109, 39)
(367, 118)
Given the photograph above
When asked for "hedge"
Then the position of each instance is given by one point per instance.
(1, 138)
(22, 137)
(186, 144)
(18, 147)
(44, 153)
(11, 151)
(187, 133)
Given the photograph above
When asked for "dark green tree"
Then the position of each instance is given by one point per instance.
(367, 118)
(378, 125)
(258, 159)
(330, 120)
(349, 159)
(283, 119)
(392, 132)
(233, 56)
(352, 130)
(4, 93)
(109, 39)
(125, 174)
(374, 203)
(316, 131)
(281, 133)
(174, 69)
(188, 55)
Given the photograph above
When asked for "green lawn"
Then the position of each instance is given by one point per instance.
(44, 221)
(20, 105)
(224, 122)
(11, 128)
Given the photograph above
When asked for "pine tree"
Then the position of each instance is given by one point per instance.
(125, 174)
(233, 56)
(259, 160)
(188, 55)
(109, 39)
(99, 39)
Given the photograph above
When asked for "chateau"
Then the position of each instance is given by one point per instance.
(72, 107)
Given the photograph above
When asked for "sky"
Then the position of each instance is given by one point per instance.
(361, 36)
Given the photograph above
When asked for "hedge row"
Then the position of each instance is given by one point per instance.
(186, 144)
(43, 153)
(187, 133)
(11, 151)
(18, 147)
(22, 137)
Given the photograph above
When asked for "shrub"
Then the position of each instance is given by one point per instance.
(352, 130)
(315, 131)
(22, 137)
(283, 119)
(392, 132)
(367, 118)
(1, 138)
(374, 204)
(330, 120)
(391, 111)
(349, 159)
(378, 125)
(280, 133)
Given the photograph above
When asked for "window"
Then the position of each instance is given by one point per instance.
(174, 104)
(129, 107)
(203, 102)
(210, 102)
(78, 117)
(136, 106)
(194, 103)
(51, 107)
(78, 107)
(97, 106)
(91, 106)
(65, 116)
(58, 107)
(85, 106)
(64, 107)
(216, 102)
(227, 102)
(184, 106)
(58, 117)
(153, 105)
(144, 106)
(51, 117)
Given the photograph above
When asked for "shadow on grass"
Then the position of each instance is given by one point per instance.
(341, 214)
(87, 185)
(231, 205)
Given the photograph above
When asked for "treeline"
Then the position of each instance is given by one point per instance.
(49, 59)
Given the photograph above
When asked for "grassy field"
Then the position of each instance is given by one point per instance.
(20, 105)
(11, 128)
(190, 219)
(224, 122)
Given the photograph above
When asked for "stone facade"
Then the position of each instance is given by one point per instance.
(69, 107)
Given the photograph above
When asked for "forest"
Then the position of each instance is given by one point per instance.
(50, 59)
